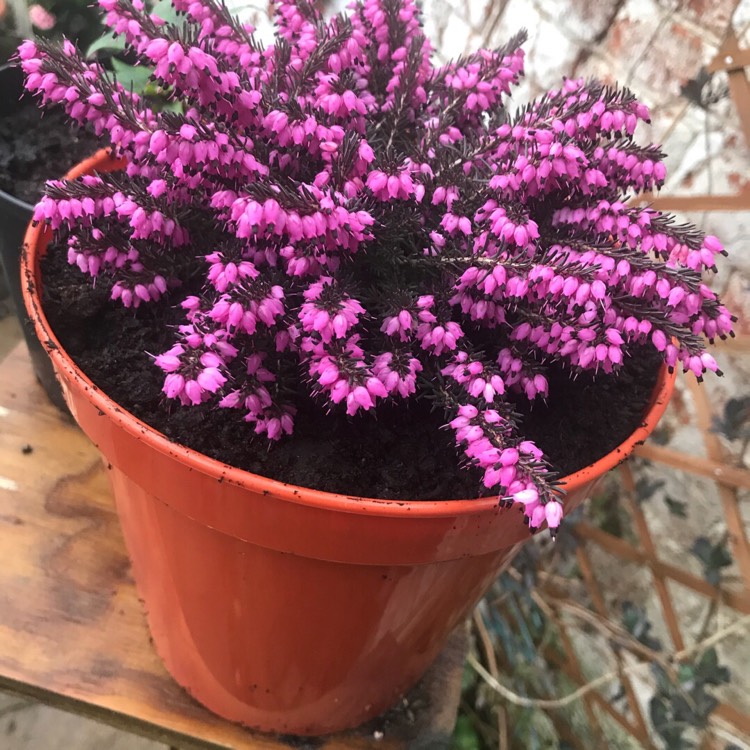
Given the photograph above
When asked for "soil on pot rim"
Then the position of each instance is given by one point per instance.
(36, 146)
(402, 454)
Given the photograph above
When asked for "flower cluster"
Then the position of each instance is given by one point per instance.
(370, 226)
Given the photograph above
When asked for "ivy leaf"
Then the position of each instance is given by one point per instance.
(685, 673)
(136, 77)
(169, 106)
(709, 671)
(685, 702)
(106, 42)
(662, 719)
(637, 624)
(676, 507)
(714, 557)
(465, 736)
(705, 705)
(164, 9)
(646, 488)
(735, 422)
(661, 677)
(658, 712)
(709, 661)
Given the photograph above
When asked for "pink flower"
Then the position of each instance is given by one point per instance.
(41, 17)
(371, 227)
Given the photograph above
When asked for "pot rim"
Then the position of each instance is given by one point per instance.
(17, 202)
(37, 236)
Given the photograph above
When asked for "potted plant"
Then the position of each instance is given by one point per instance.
(29, 146)
(33, 147)
(335, 229)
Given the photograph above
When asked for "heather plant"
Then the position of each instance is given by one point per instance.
(371, 227)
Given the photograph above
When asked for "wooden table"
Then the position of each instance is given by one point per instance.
(72, 631)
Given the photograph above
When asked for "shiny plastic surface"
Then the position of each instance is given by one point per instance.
(288, 609)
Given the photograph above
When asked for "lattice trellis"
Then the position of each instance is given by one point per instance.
(713, 465)
(561, 601)
(729, 723)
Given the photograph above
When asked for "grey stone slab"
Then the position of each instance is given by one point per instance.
(26, 725)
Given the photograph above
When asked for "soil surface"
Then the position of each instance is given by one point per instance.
(401, 454)
(36, 146)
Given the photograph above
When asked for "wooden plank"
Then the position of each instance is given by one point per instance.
(729, 57)
(620, 548)
(72, 631)
(733, 476)
(736, 718)
(738, 202)
(733, 59)
(649, 548)
(10, 330)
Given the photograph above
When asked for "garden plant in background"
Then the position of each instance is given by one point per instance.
(372, 228)
(74, 19)
(33, 145)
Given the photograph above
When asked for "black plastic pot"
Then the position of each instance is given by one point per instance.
(15, 216)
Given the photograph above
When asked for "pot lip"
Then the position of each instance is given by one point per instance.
(292, 493)
(17, 202)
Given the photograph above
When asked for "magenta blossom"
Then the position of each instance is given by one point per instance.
(364, 222)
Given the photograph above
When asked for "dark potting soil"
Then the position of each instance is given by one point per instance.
(36, 146)
(401, 454)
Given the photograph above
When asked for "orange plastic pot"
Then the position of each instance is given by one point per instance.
(284, 608)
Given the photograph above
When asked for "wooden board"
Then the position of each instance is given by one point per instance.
(72, 631)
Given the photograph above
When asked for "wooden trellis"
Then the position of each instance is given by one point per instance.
(645, 553)
(714, 465)
(732, 60)
(559, 597)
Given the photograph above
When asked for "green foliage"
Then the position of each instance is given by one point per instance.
(134, 77)
(713, 557)
(524, 641)
(646, 488)
(683, 705)
(606, 512)
(533, 729)
(106, 43)
(137, 78)
(677, 508)
(164, 9)
(465, 736)
(637, 624)
(527, 651)
(734, 423)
